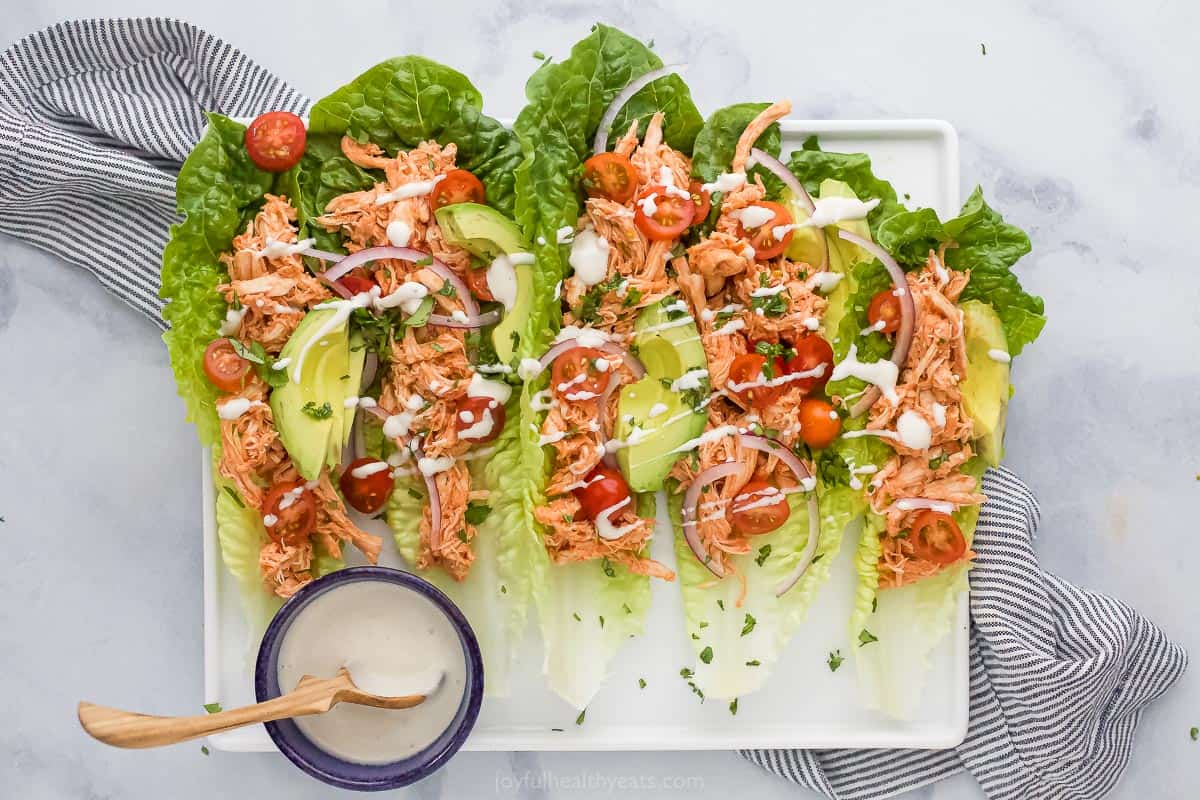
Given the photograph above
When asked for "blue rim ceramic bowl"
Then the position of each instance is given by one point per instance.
(348, 774)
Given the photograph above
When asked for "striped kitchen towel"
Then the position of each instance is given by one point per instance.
(97, 116)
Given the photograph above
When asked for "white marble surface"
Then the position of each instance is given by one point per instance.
(1080, 124)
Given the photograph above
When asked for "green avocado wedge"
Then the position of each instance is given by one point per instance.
(665, 408)
(985, 390)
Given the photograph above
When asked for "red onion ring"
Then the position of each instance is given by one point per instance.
(908, 314)
(627, 359)
(690, 512)
(774, 448)
(780, 170)
(335, 286)
(600, 143)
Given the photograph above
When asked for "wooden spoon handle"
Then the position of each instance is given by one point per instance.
(128, 729)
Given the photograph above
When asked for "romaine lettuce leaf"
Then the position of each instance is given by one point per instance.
(496, 593)
(987, 246)
(408, 100)
(217, 189)
(718, 138)
(737, 645)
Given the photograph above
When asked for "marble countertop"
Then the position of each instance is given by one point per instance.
(1078, 122)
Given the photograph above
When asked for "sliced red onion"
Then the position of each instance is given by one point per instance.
(691, 512)
(628, 359)
(335, 286)
(484, 319)
(774, 448)
(908, 314)
(370, 367)
(779, 170)
(435, 505)
(600, 144)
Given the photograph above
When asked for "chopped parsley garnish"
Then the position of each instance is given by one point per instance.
(632, 297)
(763, 552)
(423, 262)
(772, 305)
(589, 306)
(539, 55)
(874, 604)
(625, 606)
(769, 349)
(323, 411)
(462, 536)
(733, 706)
(414, 494)
(832, 469)
(204, 749)
(835, 660)
(419, 317)
(212, 708)
(568, 518)
(750, 622)
(669, 304)
(696, 637)
(437, 348)
(233, 493)
(723, 317)
(447, 290)
(577, 617)
(247, 353)
(1194, 733)
(721, 604)
(866, 637)
(754, 663)
(934, 463)
(607, 568)
(516, 339)
(503, 589)
(706, 655)
(601, 620)
(817, 558)
(703, 624)
(579, 719)
(477, 512)
(642, 685)
(686, 673)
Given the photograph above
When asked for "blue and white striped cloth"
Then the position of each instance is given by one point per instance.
(95, 119)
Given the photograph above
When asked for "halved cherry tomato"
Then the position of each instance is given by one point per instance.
(478, 283)
(605, 487)
(757, 509)
(371, 491)
(819, 423)
(474, 411)
(293, 508)
(672, 214)
(576, 371)
(811, 351)
(936, 537)
(610, 175)
(459, 186)
(275, 140)
(762, 238)
(702, 200)
(885, 308)
(357, 284)
(225, 369)
(748, 368)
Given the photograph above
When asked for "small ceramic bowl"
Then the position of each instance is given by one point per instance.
(348, 774)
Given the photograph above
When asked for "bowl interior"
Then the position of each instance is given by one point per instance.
(336, 771)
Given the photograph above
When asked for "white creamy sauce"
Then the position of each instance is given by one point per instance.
(502, 277)
(482, 387)
(550, 438)
(398, 425)
(392, 640)
(589, 256)
(999, 355)
(432, 466)
(912, 504)
(881, 373)
(913, 431)
(874, 328)
(733, 326)
(604, 526)
(754, 216)
(585, 336)
(269, 520)
(482, 427)
(726, 182)
(399, 233)
(657, 410)
(541, 401)
(826, 281)
(692, 379)
(649, 207)
(281, 363)
(341, 313)
(564, 235)
(768, 291)
(493, 369)
(939, 415)
(367, 470)
(763, 381)
(413, 189)
(232, 322)
(277, 249)
(350, 402)
(812, 323)
(666, 176)
(581, 395)
(232, 409)
(832, 210)
(706, 437)
(529, 368)
(408, 297)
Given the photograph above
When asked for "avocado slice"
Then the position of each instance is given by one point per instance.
(986, 388)
(487, 234)
(312, 440)
(668, 353)
(842, 254)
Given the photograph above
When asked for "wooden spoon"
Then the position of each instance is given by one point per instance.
(311, 696)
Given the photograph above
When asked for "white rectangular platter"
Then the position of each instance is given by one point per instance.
(804, 704)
